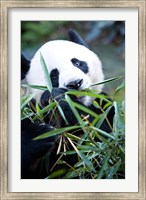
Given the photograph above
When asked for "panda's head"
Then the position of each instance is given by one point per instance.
(71, 66)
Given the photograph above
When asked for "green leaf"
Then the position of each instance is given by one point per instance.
(56, 174)
(87, 162)
(85, 109)
(103, 117)
(25, 100)
(46, 109)
(72, 136)
(71, 174)
(61, 112)
(47, 75)
(104, 166)
(120, 87)
(86, 93)
(108, 80)
(103, 132)
(90, 157)
(118, 123)
(113, 170)
(38, 110)
(70, 102)
(26, 113)
(39, 87)
(56, 132)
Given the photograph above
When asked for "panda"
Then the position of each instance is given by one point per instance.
(72, 66)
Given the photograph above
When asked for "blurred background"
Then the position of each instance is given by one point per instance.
(105, 38)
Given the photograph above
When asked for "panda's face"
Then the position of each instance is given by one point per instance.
(71, 66)
(72, 77)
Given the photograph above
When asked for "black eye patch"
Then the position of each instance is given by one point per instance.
(54, 75)
(80, 64)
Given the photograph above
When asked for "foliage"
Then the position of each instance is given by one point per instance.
(100, 154)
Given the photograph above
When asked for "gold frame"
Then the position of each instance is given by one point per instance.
(141, 5)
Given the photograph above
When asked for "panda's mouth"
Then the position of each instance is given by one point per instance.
(74, 85)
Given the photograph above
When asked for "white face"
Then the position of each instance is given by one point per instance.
(74, 64)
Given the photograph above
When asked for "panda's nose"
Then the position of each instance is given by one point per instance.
(75, 84)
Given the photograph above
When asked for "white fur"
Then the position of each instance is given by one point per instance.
(58, 54)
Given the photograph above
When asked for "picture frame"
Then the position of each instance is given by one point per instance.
(5, 6)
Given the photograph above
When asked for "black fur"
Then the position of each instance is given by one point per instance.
(25, 65)
(54, 75)
(32, 151)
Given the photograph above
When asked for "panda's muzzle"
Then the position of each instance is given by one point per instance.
(74, 84)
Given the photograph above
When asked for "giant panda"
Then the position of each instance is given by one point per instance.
(72, 66)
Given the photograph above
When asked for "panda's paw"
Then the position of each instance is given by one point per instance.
(45, 98)
(56, 94)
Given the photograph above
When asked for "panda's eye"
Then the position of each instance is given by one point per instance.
(76, 62)
(82, 65)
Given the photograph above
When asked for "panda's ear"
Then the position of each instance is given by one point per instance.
(75, 37)
(25, 65)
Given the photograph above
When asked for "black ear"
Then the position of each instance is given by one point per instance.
(25, 65)
(75, 37)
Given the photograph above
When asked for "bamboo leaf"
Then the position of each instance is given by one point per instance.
(70, 102)
(83, 157)
(120, 87)
(103, 167)
(85, 109)
(108, 80)
(39, 87)
(46, 109)
(74, 137)
(118, 123)
(103, 132)
(113, 170)
(56, 132)
(61, 112)
(46, 72)
(25, 100)
(87, 93)
(103, 117)
(56, 174)
(38, 110)
(71, 174)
